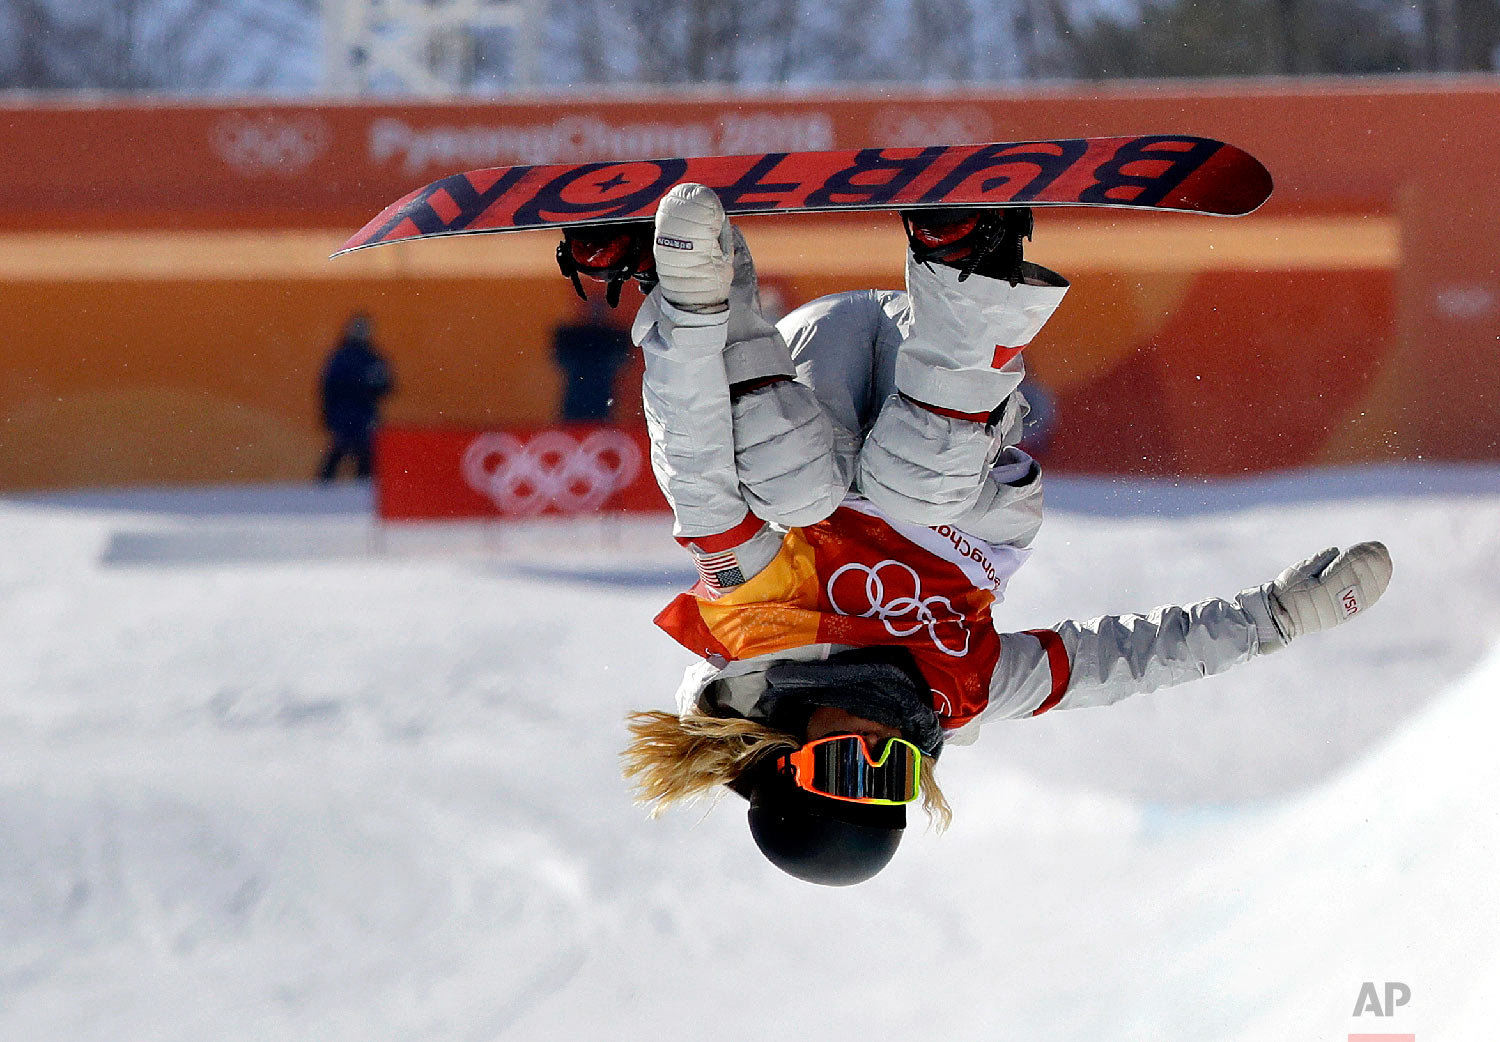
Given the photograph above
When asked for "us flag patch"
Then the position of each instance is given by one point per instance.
(719, 571)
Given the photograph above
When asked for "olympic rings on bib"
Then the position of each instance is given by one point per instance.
(902, 608)
(551, 469)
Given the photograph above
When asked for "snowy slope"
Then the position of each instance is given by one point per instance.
(267, 772)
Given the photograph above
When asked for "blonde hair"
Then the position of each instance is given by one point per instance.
(679, 759)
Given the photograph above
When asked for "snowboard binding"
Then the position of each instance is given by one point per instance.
(975, 241)
(608, 253)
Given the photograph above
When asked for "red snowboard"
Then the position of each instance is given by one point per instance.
(1152, 172)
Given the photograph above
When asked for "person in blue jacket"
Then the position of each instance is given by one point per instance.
(355, 379)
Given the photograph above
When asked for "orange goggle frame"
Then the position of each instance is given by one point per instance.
(842, 768)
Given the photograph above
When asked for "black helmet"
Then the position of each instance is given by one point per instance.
(817, 839)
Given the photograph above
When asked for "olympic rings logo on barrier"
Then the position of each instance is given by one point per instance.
(550, 469)
(267, 144)
(902, 608)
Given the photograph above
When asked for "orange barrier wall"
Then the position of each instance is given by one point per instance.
(1224, 382)
(168, 299)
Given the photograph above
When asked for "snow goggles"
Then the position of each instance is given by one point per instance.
(610, 253)
(968, 237)
(841, 767)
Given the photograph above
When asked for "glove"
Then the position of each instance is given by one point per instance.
(1326, 589)
(694, 249)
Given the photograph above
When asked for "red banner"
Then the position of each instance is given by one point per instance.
(433, 474)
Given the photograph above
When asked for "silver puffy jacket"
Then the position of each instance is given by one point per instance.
(887, 391)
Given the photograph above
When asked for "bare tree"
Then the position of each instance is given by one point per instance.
(152, 45)
(1248, 38)
(1440, 32)
(941, 35)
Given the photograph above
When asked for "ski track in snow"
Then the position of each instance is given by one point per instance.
(268, 771)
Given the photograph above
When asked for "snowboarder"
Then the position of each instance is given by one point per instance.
(850, 489)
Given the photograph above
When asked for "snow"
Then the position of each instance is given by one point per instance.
(270, 771)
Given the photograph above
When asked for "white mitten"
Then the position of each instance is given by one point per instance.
(694, 249)
(1318, 594)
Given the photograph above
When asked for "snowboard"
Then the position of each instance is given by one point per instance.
(1147, 172)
